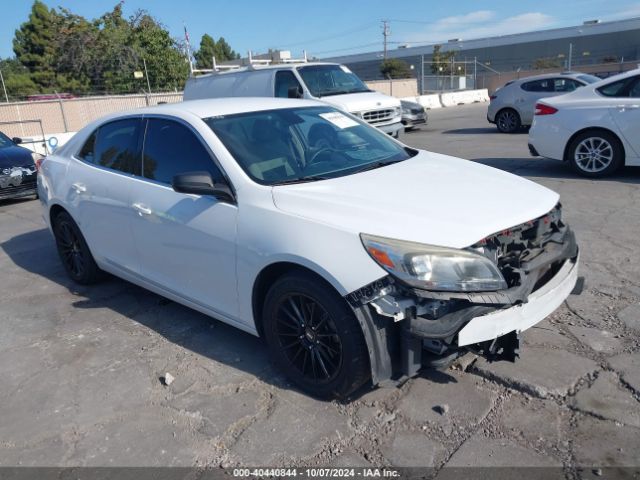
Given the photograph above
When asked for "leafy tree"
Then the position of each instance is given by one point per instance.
(441, 61)
(395, 68)
(210, 48)
(17, 79)
(34, 44)
(206, 52)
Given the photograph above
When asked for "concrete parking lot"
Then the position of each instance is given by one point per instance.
(80, 367)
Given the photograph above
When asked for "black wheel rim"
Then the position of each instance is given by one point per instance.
(70, 250)
(308, 338)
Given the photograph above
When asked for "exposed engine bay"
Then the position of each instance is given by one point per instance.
(424, 325)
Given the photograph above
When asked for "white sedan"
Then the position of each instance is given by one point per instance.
(596, 128)
(357, 258)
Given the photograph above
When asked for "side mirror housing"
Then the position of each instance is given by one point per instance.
(295, 92)
(201, 183)
(16, 140)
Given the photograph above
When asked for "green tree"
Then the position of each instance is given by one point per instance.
(441, 61)
(206, 52)
(395, 68)
(17, 79)
(34, 44)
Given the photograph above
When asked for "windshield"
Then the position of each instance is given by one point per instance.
(325, 80)
(304, 144)
(5, 141)
(588, 78)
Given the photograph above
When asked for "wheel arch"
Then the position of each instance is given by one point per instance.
(55, 210)
(270, 273)
(565, 156)
(374, 332)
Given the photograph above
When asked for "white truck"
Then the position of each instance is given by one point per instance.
(330, 83)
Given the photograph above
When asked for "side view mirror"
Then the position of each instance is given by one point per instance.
(16, 140)
(295, 92)
(201, 183)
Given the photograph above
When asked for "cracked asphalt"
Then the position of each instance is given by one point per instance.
(80, 367)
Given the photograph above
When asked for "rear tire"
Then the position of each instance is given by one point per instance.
(74, 251)
(314, 338)
(595, 153)
(508, 120)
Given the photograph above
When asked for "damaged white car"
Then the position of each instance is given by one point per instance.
(358, 259)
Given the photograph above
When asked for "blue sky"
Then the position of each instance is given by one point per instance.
(336, 27)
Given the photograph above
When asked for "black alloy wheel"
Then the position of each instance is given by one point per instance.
(73, 251)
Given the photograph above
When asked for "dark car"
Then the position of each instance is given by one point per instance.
(413, 114)
(18, 172)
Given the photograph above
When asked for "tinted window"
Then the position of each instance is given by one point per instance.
(627, 87)
(284, 80)
(170, 148)
(565, 84)
(5, 141)
(86, 153)
(545, 85)
(116, 146)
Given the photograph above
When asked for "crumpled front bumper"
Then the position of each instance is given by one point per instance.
(520, 317)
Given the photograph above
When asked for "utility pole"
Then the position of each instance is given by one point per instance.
(385, 33)
(4, 87)
(570, 56)
(144, 62)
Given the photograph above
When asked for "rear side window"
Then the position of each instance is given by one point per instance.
(628, 87)
(285, 79)
(545, 85)
(171, 148)
(115, 145)
(565, 84)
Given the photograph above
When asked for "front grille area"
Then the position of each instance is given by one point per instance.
(515, 246)
(378, 116)
(21, 190)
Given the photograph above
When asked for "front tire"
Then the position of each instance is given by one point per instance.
(74, 251)
(314, 338)
(595, 154)
(508, 121)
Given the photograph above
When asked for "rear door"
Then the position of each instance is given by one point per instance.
(530, 93)
(625, 110)
(186, 243)
(102, 174)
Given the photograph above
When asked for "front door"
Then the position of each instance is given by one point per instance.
(186, 243)
(626, 115)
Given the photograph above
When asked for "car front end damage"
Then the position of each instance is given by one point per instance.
(408, 328)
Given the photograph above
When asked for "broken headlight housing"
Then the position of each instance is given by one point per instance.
(434, 268)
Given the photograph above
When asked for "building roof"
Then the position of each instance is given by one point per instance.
(512, 39)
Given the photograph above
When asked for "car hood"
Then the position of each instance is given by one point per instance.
(15, 156)
(361, 102)
(430, 198)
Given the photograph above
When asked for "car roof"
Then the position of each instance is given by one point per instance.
(275, 66)
(549, 75)
(211, 107)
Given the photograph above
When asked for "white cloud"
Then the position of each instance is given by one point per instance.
(479, 24)
(632, 10)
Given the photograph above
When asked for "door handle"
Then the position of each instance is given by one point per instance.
(141, 209)
(79, 188)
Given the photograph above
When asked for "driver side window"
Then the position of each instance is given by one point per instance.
(170, 148)
(286, 79)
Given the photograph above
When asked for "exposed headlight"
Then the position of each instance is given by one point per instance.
(434, 268)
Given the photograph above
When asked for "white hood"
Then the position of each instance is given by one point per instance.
(431, 198)
(361, 102)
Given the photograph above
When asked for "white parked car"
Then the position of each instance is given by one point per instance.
(511, 107)
(356, 258)
(595, 129)
(329, 83)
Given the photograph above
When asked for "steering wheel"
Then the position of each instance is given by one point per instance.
(322, 150)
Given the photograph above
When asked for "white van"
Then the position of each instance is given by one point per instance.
(327, 82)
